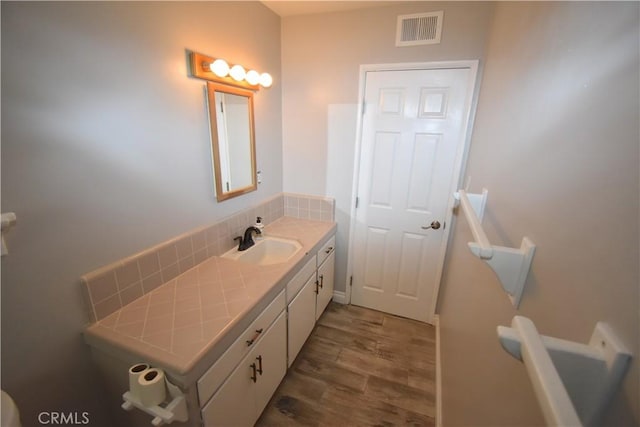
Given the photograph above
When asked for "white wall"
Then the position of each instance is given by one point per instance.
(321, 58)
(105, 151)
(556, 143)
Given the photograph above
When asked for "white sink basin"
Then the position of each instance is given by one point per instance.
(269, 250)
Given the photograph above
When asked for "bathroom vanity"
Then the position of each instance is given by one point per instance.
(224, 332)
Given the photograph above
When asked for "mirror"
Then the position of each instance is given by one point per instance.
(232, 140)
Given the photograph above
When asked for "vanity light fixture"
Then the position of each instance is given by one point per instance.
(219, 70)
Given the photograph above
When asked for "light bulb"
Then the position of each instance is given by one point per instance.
(237, 72)
(266, 80)
(253, 77)
(219, 67)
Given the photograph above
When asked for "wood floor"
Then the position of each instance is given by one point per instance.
(359, 367)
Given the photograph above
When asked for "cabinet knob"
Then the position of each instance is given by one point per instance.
(329, 249)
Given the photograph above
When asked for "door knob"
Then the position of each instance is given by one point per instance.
(435, 225)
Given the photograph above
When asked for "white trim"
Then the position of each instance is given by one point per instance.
(356, 174)
(472, 64)
(436, 323)
(340, 297)
(459, 165)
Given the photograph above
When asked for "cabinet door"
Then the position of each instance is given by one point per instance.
(302, 317)
(233, 404)
(224, 366)
(242, 398)
(271, 358)
(325, 277)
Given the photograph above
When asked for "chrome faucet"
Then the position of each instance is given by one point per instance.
(246, 242)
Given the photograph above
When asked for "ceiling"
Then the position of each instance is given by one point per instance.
(290, 8)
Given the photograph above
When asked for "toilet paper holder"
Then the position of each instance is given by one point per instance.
(175, 410)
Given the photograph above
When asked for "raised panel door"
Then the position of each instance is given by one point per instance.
(413, 131)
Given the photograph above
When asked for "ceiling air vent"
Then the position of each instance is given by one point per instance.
(419, 28)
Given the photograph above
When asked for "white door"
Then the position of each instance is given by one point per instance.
(413, 136)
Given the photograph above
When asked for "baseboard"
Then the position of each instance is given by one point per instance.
(340, 297)
(436, 323)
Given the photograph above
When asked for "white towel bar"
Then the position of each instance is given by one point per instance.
(573, 382)
(484, 248)
(553, 397)
(510, 265)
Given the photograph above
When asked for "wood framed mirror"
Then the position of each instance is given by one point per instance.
(232, 140)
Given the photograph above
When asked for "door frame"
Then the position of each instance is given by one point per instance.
(459, 165)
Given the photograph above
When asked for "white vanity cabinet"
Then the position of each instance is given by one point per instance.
(308, 294)
(227, 379)
(239, 399)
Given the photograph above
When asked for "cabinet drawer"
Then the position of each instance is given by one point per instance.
(326, 250)
(219, 371)
(298, 281)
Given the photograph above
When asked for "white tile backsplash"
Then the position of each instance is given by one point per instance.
(309, 207)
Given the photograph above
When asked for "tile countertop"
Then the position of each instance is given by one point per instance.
(177, 324)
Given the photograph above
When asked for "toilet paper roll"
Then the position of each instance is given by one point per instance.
(135, 372)
(152, 387)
